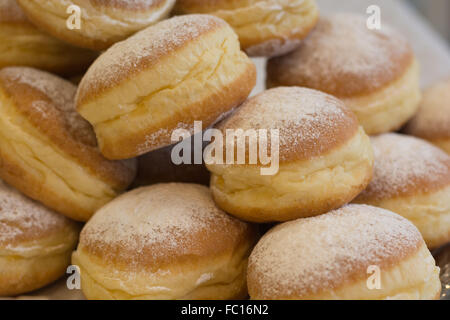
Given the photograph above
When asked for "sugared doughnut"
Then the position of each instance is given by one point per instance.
(412, 178)
(356, 252)
(373, 71)
(22, 44)
(325, 158)
(35, 243)
(102, 22)
(432, 122)
(265, 27)
(48, 151)
(185, 69)
(166, 241)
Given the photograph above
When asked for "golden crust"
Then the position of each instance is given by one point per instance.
(181, 70)
(265, 27)
(43, 105)
(310, 123)
(406, 166)
(344, 58)
(432, 121)
(294, 259)
(103, 22)
(181, 224)
(35, 243)
(22, 44)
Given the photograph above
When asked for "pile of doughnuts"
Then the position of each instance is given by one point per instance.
(340, 202)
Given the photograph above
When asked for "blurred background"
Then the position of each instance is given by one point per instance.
(437, 12)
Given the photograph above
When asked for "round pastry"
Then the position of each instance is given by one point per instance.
(48, 151)
(325, 158)
(22, 44)
(35, 243)
(185, 69)
(166, 241)
(102, 23)
(373, 71)
(412, 178)
(158, 166)
(265, 27)
(355, 252)
(432, 122)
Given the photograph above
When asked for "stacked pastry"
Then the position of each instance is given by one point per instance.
(71, 153)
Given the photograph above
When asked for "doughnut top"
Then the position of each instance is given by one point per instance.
(162, 224)
(132, 5)
(23, 220)
(145, 49)
(47, 102)
(307, 256)
(11, 12)
(404, 166)
(310, 122)
(344, 58)
(432, 121)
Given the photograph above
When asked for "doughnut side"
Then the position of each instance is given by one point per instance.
(103, 23)
(388, 108)
(30, 265)
(200, 80)
(36, 165)
(221, 276)
(430, 212)
(300, 188)
(264, 27)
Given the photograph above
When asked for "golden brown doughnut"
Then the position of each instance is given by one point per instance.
(166, 241)
(412, 178)
(265, 27)
(185, 69)
(22, 44)
(374, 72)
(103, 22)
(432, 122)
(48, 151)
(35, 243)
(325, 158)
(341, 255)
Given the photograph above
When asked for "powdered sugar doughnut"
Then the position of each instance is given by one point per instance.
(373, 71)
(22, 44)
(412, 178)
(432, 121)
(325, 158)
(185, 69)
(166, 241)
(265, 27)
(48, 151)
(102, 22)
(356, 252)
(35, 243)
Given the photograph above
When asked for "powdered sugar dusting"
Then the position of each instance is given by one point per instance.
(175, 217)
(343, 57)
(60, 103)
(309, 255)
(308, 121)
(24, 219)
(142, 50)
(404, 163)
